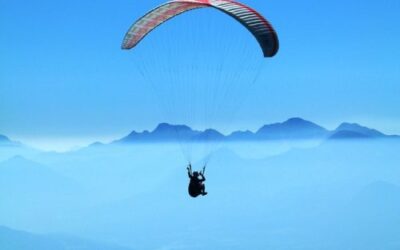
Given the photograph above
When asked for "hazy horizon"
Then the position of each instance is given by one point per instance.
(347, 193)
(59, 144)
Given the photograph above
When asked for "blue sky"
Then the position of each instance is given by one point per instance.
(64, 79)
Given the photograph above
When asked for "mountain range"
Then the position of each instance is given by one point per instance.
(11, 239)
(292, 129)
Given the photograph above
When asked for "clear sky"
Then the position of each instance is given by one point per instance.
(65, 81)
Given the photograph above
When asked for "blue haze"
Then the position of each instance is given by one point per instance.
(65, 82)
(280, 195)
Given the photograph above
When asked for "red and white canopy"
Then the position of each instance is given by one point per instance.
(251, 19)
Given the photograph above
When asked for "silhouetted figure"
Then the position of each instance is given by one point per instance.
(196, 185)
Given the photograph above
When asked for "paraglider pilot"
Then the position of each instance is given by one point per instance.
(196, 185)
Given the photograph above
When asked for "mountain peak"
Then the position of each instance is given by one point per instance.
(164, 132)
(299, 122)
(349, 126)
(210, 134)
(295, 120)
(347, 134)
(4, 138)
(163, 127)
(293, 128)
(354, 127)
(5, 141)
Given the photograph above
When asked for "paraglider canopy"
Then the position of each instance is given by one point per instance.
(261, 29)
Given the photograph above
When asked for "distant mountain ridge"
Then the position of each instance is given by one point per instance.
(37, 178)
(5, 141)
(4, 138)
(292, 129)
(11, 239)
(356, 131)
